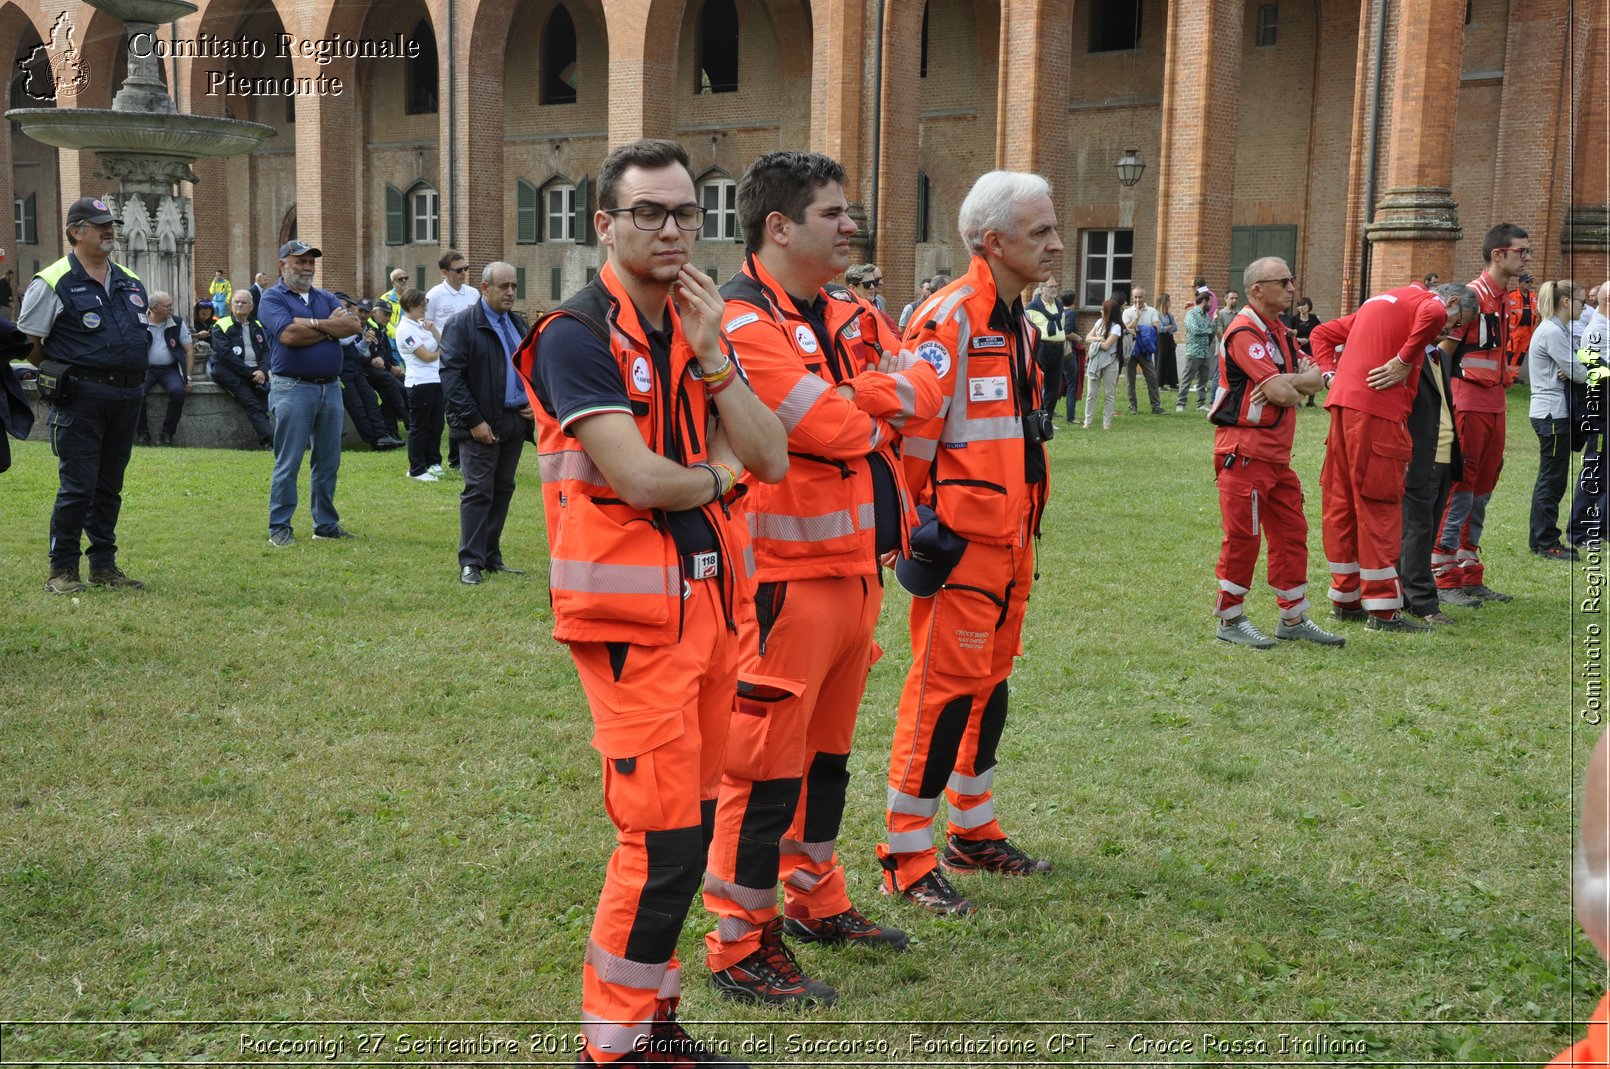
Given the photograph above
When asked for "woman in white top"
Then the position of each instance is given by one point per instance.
(1553, 366)
(1103, 355)
(419, 342)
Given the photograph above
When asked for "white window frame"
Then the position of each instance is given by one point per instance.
(723, 212)
(1104, 276)
(1268, 31)
(565, 216)
(424, 215)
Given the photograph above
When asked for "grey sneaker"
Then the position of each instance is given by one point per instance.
(1339, 612)
(1458, 597)
(65, 581)
(1241, 632)
(1483, 592)
(280, 537)
(1398, 622)
(332, 532)
(1308, 631)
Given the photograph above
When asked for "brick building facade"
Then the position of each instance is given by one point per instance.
(1368, 141)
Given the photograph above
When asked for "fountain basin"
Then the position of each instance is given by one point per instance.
(107, 132)
(152, 11)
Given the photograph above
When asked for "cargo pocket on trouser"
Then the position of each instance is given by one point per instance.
(643, 771)
(1387, 466)
(59, 421)
(966, 621)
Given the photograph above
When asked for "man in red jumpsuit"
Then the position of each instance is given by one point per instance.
(1262, 381)
(1480, 376)
(982, 471)
(1371, 390)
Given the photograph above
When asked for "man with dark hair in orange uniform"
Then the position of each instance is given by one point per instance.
(831, 368)
(1480, 376)
(1262, 380)
(1520, 317)
(644, 425)
(1367, 452)
(1590, 886)
(982, 471)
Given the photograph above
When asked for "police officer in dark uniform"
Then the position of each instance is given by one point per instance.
(87, 318)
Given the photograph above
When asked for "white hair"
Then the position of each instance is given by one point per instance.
(1249, 277)
(992, 204)
(486, 272)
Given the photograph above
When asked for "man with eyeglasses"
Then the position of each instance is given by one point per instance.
(1480, 377)
(833, 370)
(451, 295)
(644, 425)
(1263, 378)
(393, 298)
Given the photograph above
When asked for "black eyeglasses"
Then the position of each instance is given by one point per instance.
(651, 217)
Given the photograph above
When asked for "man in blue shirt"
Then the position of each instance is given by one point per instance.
(305, 326)
(490, 416)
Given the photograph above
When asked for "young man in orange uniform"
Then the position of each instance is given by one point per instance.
(1262, 381)
(1371, 391)
(644, 424)
(832, 369)
(1480, 377)
(982, 471)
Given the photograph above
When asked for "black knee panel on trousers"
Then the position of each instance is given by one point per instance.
(943, 744)
(766, 818)
(707, 821)
(990, 726)
(826, 781)
(675, 866)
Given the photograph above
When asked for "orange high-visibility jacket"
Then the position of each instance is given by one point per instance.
(820, 520)
(973, 465)
(614, 572)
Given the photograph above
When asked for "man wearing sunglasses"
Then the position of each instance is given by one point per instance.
(1480, 377)
(451, 295)
(644, 423)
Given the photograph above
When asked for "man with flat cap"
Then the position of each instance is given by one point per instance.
(305, 326)
(87, 318)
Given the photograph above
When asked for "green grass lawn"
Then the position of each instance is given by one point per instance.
(328, 783)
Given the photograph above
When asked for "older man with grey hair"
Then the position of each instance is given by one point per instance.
(173, 358)
(490, 416)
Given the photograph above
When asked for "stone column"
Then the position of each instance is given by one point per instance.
(1416, 220)
(327, 137)
(896, 220)
(642, 67)
(481, 183)
(1196, 174)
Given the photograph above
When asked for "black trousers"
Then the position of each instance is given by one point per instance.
(1423, 505)
(1553, 472)
(172, 380)
(483, 506)
(359, 399)
(92, 436)
(1589, 504)
(393, 400)
(251, 397)
(427, 409)
(1049, 356)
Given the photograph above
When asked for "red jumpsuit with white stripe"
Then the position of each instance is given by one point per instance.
(1479, 409)
(1368, 449)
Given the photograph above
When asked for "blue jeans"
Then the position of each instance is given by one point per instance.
(305, 413)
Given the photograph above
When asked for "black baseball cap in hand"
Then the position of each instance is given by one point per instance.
(935, 549)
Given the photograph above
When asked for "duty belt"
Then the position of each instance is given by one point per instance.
(327, 379)
(126, 380)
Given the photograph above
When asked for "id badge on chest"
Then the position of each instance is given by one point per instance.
(705, 565)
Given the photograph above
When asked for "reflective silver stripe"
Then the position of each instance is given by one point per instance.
(1465, 555)
(972, 784)
(1294, 592)
(614, 1037)
(781, 527)
(1254, 512)
(590, 577)
(750, 898)
(800, 398)
(671, 986)
(1442, 558)
(875, 438)
(992, 429)
(1341, 598)
(951, 302)
(569, 464)
(1383, 603)
(817, 852)
(976, 817)
(911, 842)
(1295, 613)
(614, 969)
(1254, 412)
(804, 880)
(1479, 363)
(1232, 588)
(749, 560)
(1340, 568)
(1378, 573)
(921, 448)
(866, 516)
(905, 393)
(732, 929)
(956, 413)
(1229, 613)
(911, 805)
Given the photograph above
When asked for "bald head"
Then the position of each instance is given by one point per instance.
(1592, 882)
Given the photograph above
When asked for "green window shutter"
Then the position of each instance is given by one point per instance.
(525, 195)
(585, 234)
(419, 278)
(519, 283)
(556, 284)
(592, 273)
(922, 195)
(396, 224)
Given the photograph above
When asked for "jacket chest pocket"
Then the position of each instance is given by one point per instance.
(988, 385)
(87, 308)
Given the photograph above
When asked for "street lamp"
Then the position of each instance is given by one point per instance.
(1130, 167)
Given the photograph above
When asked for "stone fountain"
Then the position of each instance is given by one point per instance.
(147, 146)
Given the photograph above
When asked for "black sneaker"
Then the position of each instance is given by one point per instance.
(1339, 613)
(1557, 552)
(933, 892)
(1487, 593)
(772, 977)
(332, 532)
(669, 1044)
(1405, 625)
(845, 929)
(990, 855)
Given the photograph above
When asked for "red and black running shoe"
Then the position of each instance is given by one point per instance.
(772, 977)
(990, 855)
(845, 929)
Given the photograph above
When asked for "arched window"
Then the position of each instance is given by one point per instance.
(288, 226)
(421, 78)
(559, 58)
(559, 211)
(715, 50)
(922, 61)
(422, 214)
(718, 194)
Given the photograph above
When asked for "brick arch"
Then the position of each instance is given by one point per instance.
(17, 24)
(774, 81)
(225, 19)
(641, 92)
